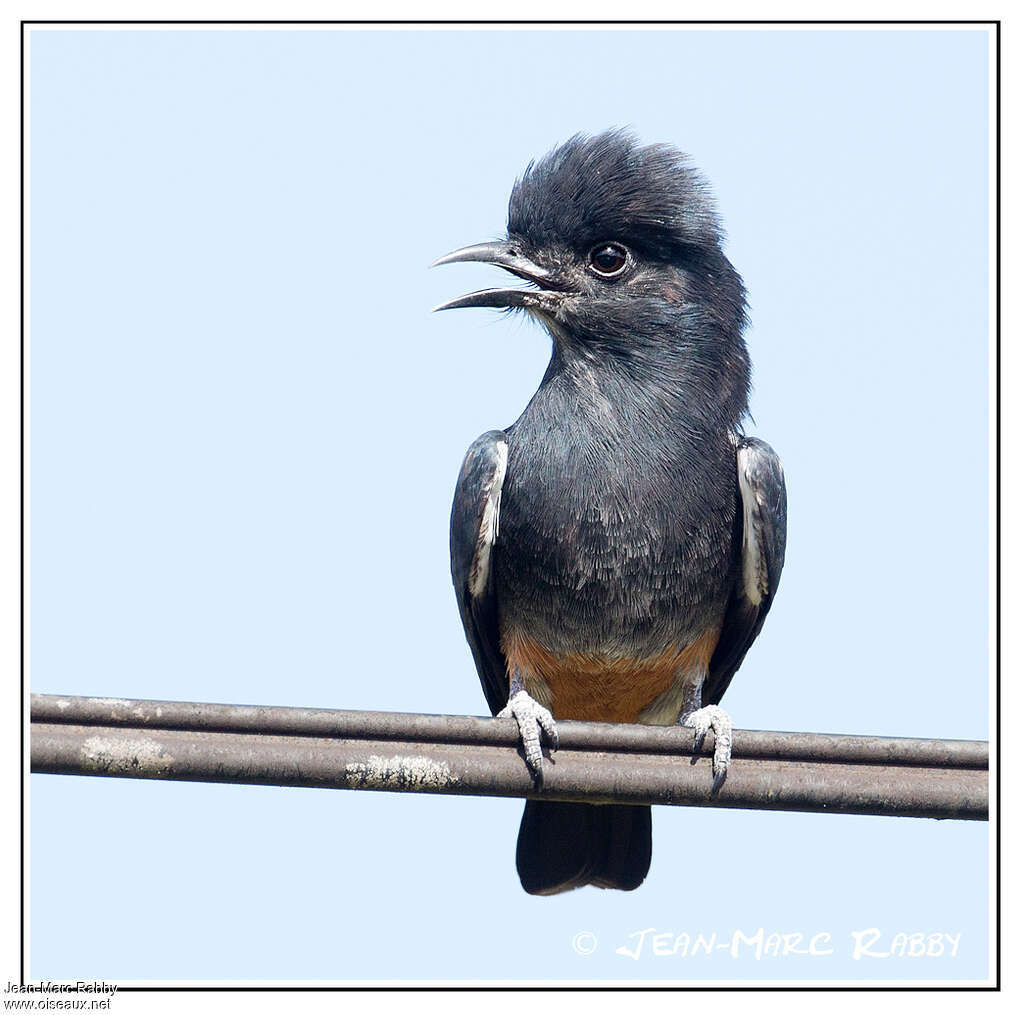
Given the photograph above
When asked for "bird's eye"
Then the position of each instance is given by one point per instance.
(608, 259)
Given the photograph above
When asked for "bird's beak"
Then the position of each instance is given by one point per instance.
(505, 255)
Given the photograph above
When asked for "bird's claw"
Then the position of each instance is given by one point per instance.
(533, 720)
(716, 719)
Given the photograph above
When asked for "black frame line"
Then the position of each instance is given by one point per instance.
(675, 987)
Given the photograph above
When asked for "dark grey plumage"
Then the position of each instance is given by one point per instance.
(760, 469)
(623, 485)
(479, 612)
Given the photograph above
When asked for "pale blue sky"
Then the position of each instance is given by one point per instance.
(246, 428)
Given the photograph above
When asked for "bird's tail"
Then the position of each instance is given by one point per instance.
(564, 846)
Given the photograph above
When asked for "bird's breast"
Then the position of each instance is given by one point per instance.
(602, 551)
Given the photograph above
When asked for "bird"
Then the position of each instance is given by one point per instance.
(616, 549)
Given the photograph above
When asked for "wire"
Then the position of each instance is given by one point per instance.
(595, 762)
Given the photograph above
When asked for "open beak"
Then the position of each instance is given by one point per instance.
(504, 254)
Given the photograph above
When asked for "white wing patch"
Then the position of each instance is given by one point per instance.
(480, 568)
(755, 574)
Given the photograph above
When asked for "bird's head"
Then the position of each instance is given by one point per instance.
(621, 246)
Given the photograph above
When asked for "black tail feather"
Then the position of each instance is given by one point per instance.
(564, 846)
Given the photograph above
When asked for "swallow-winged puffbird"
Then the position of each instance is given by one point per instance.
(616, 549)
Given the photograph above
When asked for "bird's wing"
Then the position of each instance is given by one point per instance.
(762, 515)
(474, 532)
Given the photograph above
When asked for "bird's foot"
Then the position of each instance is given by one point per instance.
(533, 719)
(716, 719)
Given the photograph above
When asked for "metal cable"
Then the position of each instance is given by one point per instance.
(595, 762)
